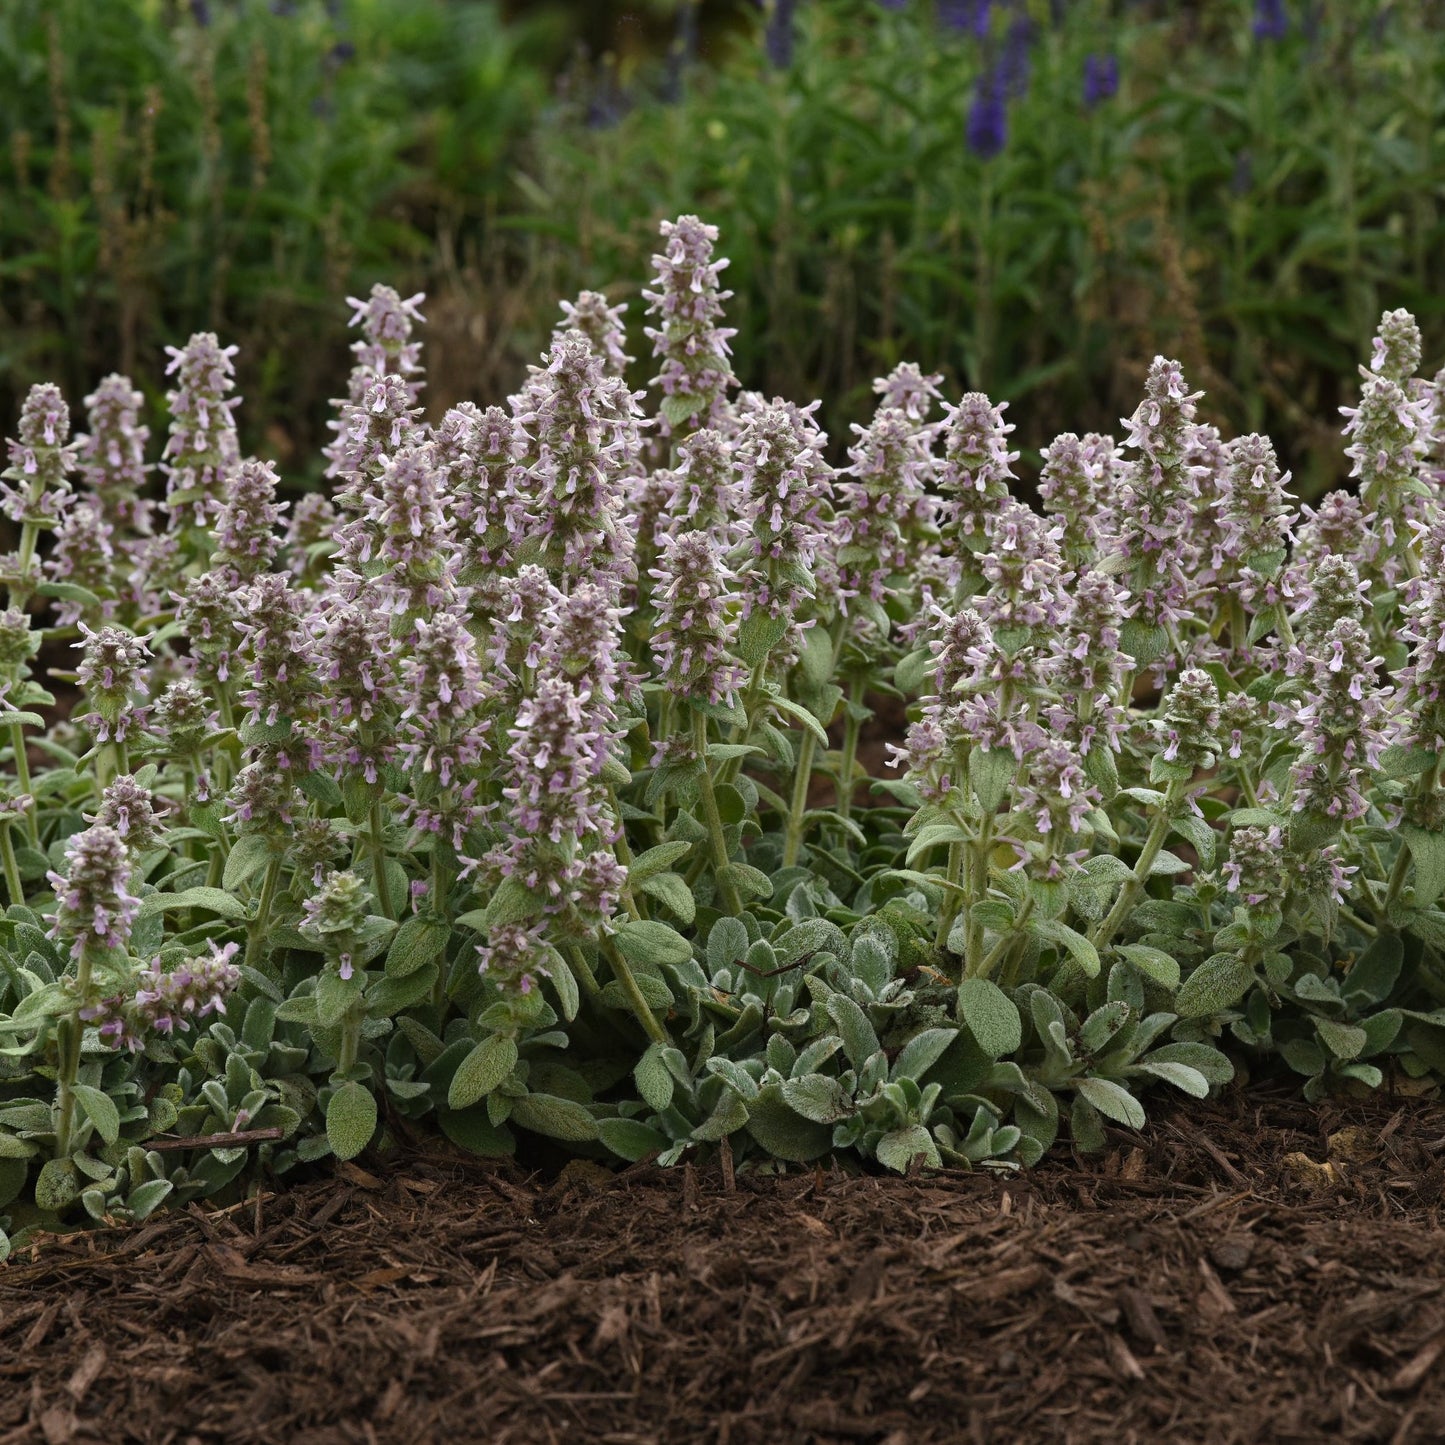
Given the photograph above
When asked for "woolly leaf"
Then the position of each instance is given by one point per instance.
(490, 1063)
(556, 1118)
(1217, 984)
(897, 1150)
(1112, 1100)
(991, 1016)
(350, 1120)
(100, 1109)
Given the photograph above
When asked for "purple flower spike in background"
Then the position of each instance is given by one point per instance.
(1271, 21)
(965, 15)
(1015, 65)
(778, 38)
(987, 129)
(1101, 79)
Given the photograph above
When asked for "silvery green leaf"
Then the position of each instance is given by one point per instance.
(810, 936)
(921, 1052)
(1217, 984)
(100, 1109)
(990, 1016)
(630, 1139)
(334, 995)
(1098, 1030)
(1344, 1041)
(1198, 832)
(1374, 973)
(730, 1115)
(475, 1131)
(416, 943)
(799, 714)
(653, 1078)
(727, 942)
(759, 634)
(350, 1120)
(991, 773)
(248, 856)
(935, 835)
(897, 1150)
(1180, 1075)
(782, 1132)
(1427, 852)
(749, 881)
(672, 890)
(556, 1118)
(1112, 1100)
(1380, 1031)
(146, 1198)
(488, 1064)
(1055, 931)
(1304, 1056)
(298, 1010)
(1398, 761)
(735, 1076)
(859, 1040)
(818, 1097)
(646, 942)
(1208, 1061)
(212, 900)
(816, 1055)
(657, 860)
(1152, 962)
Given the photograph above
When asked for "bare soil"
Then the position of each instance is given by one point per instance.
(1252, 1270)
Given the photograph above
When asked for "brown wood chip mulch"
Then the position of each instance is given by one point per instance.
(1253, 1270)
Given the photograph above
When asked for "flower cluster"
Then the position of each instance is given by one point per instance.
(112, 453)
(976, 471)
(586, 429)
(696, 372)
(130, 810)
(202, 447)
(696, 628)
(113, 673)
(167, 999)
(92, 901)
(1340, 724)
(246, 539)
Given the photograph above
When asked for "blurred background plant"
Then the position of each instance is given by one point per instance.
(1032, 197)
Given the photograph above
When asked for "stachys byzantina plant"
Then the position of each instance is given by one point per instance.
(516, 780)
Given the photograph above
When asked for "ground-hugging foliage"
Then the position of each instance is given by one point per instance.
(492, 790)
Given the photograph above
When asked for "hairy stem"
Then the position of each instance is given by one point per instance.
(1134, 883)
(713, 820)
(623, 973)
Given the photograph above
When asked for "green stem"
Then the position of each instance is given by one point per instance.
(852, 731)
(256, 930)
(374, 844)
(1006, 942)
(802, 781)
(12, 869)
(713, 819)
(586, 979)
(73, 1031)
(624, 856)
(22, 779)
(640, 1007)
(949, 911)
(351, 1022)
(1134, 884)
(978, 889)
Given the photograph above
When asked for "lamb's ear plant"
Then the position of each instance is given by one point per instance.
(518, 788)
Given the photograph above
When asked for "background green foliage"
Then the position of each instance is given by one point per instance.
(1248, 206)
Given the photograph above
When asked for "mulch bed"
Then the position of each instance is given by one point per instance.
(1252, 1270)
